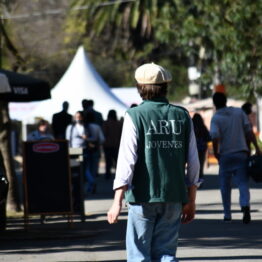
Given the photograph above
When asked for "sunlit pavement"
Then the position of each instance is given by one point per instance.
(208, 238)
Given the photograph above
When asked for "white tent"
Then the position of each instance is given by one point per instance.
(129, 95)
(80, 81)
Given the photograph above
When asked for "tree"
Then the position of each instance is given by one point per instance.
(221, 37)
(130, 27)
(126, 33)
(4, 36)
(5, 127)
(230, 33)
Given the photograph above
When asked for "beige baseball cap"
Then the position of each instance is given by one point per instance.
(152, 73)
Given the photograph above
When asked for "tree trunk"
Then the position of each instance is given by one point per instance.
(13, 201)
(259, 116)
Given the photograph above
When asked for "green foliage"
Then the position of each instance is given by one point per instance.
(222, 37)
(177, 89)
(115, 72)
(127, 35)
(230, 32)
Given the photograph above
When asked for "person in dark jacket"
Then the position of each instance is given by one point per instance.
(60, 121)
(112, 128)
(88, 106)
(202, 139)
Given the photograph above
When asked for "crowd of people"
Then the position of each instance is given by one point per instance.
(159, 152)
(87, 130)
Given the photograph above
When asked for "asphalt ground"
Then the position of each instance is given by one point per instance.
(206, 239)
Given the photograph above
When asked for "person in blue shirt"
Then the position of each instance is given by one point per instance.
(41, 133)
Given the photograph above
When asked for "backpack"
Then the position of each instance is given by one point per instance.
(254, 168)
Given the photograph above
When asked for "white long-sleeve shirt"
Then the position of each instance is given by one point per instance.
(127, 156)
(75, 135)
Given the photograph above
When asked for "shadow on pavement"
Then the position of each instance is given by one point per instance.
(230, 258)
(89, 236)
(115, 260)
(207, 233)
(96, 235)
(219, 211)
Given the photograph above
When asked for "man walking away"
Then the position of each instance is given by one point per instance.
(229, 129)
(156, 144)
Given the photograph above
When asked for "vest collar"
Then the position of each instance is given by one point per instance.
(157, 100)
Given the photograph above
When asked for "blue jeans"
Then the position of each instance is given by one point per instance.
(233, 165)
(152, 232)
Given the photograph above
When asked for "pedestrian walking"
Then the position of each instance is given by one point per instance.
(202, 139)
(112, 129)
(156, 144)
(229, 129)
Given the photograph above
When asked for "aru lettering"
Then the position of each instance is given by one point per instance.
(165, 127)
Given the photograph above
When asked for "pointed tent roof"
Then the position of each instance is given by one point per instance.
(80, 81)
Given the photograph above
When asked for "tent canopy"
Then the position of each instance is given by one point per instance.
(80, 81)
(24, 88)
(129, 95)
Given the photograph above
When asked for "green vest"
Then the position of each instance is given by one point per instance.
(163, 134)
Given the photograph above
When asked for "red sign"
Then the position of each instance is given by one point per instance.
(45, 147)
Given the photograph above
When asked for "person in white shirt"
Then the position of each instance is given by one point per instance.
(88, 136)
(76, 133)
(229, 131)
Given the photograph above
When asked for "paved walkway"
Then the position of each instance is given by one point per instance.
(206, 239)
